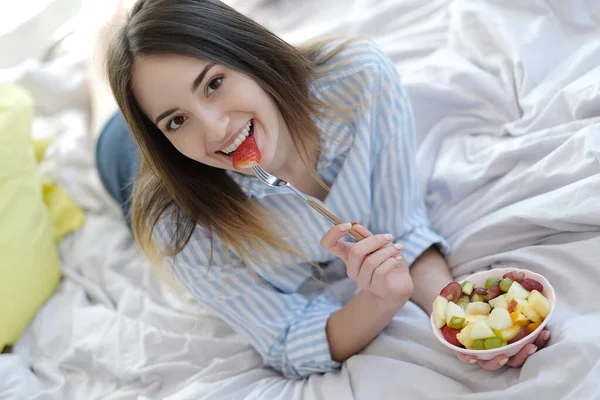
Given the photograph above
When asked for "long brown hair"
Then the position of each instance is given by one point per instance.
(190, 192)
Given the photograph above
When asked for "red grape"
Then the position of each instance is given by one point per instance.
(480, 290)
(515, 276)
(452, 292)
(494, 291)
(532, 284)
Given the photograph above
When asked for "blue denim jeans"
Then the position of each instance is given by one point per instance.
(117, 158)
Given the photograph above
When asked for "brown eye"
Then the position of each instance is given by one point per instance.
(176, 123)
(213, 85)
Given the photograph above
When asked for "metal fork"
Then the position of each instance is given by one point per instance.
(274, 181)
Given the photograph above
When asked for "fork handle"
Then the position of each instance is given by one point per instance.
(334, 220)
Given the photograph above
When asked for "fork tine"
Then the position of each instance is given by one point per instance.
(264, 174)
(258, 170)
(261, 174)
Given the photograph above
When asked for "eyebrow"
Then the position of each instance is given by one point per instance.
(193, 88)
(200, 77)
(164, 115)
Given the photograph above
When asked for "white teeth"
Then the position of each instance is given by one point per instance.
(242, 136)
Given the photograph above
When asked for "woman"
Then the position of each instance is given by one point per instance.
(198, 84)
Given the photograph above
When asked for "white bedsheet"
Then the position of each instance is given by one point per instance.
(509, 131)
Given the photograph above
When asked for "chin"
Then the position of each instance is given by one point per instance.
(247, 171)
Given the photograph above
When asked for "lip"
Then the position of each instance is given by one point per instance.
(231, 139)
(228, 159)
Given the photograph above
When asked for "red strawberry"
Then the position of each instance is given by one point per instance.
(450, 335)
(247, 155)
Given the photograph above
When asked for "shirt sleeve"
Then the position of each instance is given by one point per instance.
(287, 329)
(397, 199)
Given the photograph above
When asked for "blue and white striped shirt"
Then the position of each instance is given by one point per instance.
(371, 168)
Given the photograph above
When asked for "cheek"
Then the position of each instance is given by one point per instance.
(186, 145)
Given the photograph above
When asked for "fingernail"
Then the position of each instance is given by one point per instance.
(387, 236)
(399, 258)
(354, 223)
(472, 361)
(503, 362)
(398, 246)
(547, 335)
(533, 350)
(345, 227)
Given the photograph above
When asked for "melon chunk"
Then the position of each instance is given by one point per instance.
(539, 303)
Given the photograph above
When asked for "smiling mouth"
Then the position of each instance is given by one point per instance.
(246, 132)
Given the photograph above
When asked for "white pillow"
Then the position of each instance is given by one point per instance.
(27, 27)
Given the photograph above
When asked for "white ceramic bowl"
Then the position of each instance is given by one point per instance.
(509, 350)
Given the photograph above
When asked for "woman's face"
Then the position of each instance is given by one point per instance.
(206, 110)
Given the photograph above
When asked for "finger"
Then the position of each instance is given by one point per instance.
(360, 250)
(519, 359)
(366, 233)
(358, 228)
(361, 229)
(332, 243)
(374, 278)
(465, 359)
(375, 259)
(495, 363)
(542, 339)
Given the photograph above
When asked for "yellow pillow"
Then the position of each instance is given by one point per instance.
(29, 264)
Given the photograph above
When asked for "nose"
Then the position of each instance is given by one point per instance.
(213, 123)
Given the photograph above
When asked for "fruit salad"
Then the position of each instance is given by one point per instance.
(505, 311)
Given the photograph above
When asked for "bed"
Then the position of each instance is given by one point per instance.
(507, 102)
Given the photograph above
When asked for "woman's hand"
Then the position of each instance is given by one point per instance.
(515, 361)
(375, 263)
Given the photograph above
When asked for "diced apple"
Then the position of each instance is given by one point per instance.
(531, 314)
(508, 333)
(516, 305)
(464, 337)
(478, 308)
(499, 302)
(455, 315)
(439, 311)
(481, 330)
(499, 319)
(472, 318)
(516, 291)
(467, 287)
(519, 319)
(539, 303)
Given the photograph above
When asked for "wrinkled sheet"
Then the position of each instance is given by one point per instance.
(507, 101)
